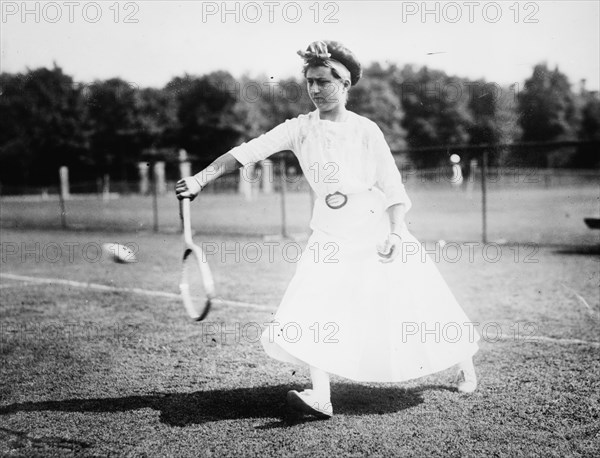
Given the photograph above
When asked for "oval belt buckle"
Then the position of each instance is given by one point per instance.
(336, 200)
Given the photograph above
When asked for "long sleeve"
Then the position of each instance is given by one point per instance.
(280, 138)
(389, 179)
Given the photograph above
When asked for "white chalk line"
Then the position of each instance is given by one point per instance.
(550, 339)
(107, 288)
(16, 285)
(582, 300)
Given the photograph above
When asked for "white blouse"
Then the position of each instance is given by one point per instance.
(349, 156)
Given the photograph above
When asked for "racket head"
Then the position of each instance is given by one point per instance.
(197, 284)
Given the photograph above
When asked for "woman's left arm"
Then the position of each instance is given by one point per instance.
(396, 213)
(390, 182)
(392, 245)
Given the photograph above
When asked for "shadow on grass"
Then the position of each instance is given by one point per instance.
(580, 250)
(19, 439)
(181, 409)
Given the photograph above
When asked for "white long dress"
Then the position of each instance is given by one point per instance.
(344, 311)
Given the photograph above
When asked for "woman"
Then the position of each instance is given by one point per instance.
(365, 303)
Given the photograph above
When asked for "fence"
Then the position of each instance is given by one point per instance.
(504, 205)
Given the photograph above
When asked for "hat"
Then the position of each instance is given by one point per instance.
(318, 52)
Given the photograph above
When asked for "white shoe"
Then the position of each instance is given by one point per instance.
(307, 402)
(466, 378)
(467, 383)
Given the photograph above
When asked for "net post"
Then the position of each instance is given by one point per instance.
(282, 181)
(266, 176)
(484, 163)
(63, 194)
(246, 180)
(154, 199)
(143, 177)
(106, 187)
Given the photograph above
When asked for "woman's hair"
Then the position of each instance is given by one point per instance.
(308, 65)
(337, 52)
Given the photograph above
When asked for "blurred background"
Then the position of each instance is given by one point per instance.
(492, 114)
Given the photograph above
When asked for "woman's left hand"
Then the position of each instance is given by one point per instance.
(390, 249)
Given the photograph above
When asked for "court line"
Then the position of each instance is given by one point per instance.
(582, 300)
(551, 339)
(16, 285)
(107, 288)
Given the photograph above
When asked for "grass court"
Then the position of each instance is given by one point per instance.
(92, 372)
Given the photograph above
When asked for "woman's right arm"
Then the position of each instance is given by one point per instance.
(277, 139)
(189, 187)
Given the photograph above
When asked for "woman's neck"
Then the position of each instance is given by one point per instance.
(336, 115)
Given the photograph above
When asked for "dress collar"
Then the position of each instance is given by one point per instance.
(314, 116)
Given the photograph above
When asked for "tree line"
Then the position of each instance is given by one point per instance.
(48, 119)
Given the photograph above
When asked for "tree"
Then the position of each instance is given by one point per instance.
(205, 114)
(588, 155)
(546, 112)
(435, 112)
(114, 120)
(374, 98)
(485, 104)
(157, 118)
(42, 114)
(482, 104)
(264, 103)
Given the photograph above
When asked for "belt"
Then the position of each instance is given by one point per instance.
(336, 200)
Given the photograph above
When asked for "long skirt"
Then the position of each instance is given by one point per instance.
(349, 314)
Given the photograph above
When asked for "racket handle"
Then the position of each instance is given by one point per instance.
(187, 224)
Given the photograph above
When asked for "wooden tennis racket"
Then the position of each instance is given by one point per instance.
(197, 285)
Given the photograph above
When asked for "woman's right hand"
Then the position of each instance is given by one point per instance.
(187, 188)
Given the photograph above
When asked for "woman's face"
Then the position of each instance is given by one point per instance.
(325, 90)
